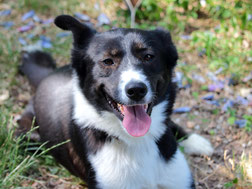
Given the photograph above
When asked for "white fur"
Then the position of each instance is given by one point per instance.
(176, 173)
(132, 75)
(158, 117)
(131, 162)
(139, 167)
(196, 144)
(86, 115)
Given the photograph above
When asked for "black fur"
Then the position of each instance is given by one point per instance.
(95, 79)
(82, 147)
(81, 33)
(179, 133)
(193, 184)
(36, 66)
(161, 43)
(166, 142)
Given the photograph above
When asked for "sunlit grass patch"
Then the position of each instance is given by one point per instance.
(228, 49)
(8, 59)
(20, 156)
(240, 170)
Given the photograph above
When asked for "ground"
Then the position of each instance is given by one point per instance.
(214, 98)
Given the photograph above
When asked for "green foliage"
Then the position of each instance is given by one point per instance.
(236, 12)
(195, 95)
(204, 88)
(212, 132)
(52, 6)
(226, 46)
(204, 120)
(36, 5)
(18, 155)
(13, 160)
(248, 125)
(149, 10)
(182, 149)
(231, 120)
(21, 159)
(231, 183)
(223, 50)
(8, 54)
(232, 116)
(215, 111)
(191, 116)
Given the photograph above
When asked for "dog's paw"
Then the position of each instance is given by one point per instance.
(196, 144)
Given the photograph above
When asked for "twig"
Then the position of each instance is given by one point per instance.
(214, 171)
(133, 10)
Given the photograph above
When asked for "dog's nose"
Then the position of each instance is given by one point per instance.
(136, 90)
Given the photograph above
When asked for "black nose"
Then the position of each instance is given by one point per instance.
(136, 90)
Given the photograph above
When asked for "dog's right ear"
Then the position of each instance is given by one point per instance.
(81, 32)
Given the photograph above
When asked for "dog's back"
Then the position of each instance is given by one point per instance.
(51, 106)
(36, 65)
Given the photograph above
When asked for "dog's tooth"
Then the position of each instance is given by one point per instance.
(121, 109)
(146, 107)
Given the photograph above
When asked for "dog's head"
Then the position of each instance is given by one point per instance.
(123, 71)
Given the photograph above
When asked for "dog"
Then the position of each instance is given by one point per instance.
(114, 104)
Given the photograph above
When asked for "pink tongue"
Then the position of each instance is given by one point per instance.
(136, 121)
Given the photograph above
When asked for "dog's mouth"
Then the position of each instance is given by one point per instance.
(135, 118)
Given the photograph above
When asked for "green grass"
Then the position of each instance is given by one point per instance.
(22, 161)
(8, 60)
(225, 50)
(240, 169)
(227, 46)
(21, 157)
(248, 118)
(48, 7)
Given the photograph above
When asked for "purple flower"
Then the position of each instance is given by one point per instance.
(182, 110)
(27, 15)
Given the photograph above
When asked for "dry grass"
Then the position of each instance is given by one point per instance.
(231, 164)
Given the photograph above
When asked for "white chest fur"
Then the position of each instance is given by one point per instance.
(131, 163)
(118, 166)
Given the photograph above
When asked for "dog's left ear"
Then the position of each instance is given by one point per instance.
(168, 48)
(81, 32)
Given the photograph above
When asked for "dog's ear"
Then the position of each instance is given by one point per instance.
(81, 32)
(168, 48)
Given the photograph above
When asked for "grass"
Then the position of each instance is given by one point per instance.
(223, 50)
(226, 40)
(23, 162)
(21, 157)
(8, 59)
(240, 170)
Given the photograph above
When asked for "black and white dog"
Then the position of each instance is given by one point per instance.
(113, 103)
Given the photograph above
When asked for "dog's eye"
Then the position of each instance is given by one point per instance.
(148, 57)
(108, 62)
